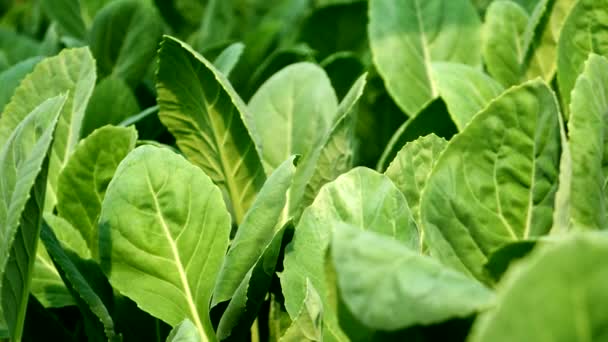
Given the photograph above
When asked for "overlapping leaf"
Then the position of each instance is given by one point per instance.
(163, 234)
(361, 197)
(71, 72)
(23, 169)
(481, 196)
(83, 182)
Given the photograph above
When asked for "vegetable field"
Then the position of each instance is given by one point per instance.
(304, 170)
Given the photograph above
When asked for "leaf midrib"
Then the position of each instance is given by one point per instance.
(178, 263)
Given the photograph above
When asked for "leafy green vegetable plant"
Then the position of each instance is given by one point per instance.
(303, 170)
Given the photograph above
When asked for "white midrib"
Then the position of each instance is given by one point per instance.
(180, 267)
(425, 51)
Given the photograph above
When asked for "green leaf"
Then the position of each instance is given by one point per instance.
(47, 285)
(259, 226)
(254, 246)
(336, 155)
(67, 14)
(164, 230)
(588, 146)
(434, 119)
(576, 42)
(124, 39)
(481, 196)
(308, 323)
(109, 90)
(242, 311)
(23, 169)
(361, 197)
(293, 112)
(464, 89)
(503, 48)
(71, 72)
(570, 309)
(89, 302)
(375, 272)
(11, 78)
(411, 168)
(209, 120)
(16, 47)
(406, 36)
(229, 57)
(184, 332)
(542, 33)
(296, 105)
(83, 182)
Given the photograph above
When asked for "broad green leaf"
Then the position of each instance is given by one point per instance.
(293, 112)
(296, 105)
(375, 273)
(481, 196)
(164, 231)
(71, 72)
(47, 285)
(227, 60)
(83, 182)
(255, 245)
(584, 31)
(411, 168)
(361, 197)
(184, 332)
(337, 154)
(308, 323)
(503, 48)
(209, 120)
(569, 308)
(89, 302)
(11, 78)
(464, 89)
(406, 36)
(23, 169)
(588, 147)
(112, 91)
(67, 13)
(124, 39)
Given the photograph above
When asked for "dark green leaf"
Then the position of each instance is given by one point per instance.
(23, 169)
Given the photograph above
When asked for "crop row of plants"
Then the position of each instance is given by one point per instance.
(304, 170)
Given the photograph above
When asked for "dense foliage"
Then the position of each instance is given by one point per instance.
(303, 170)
